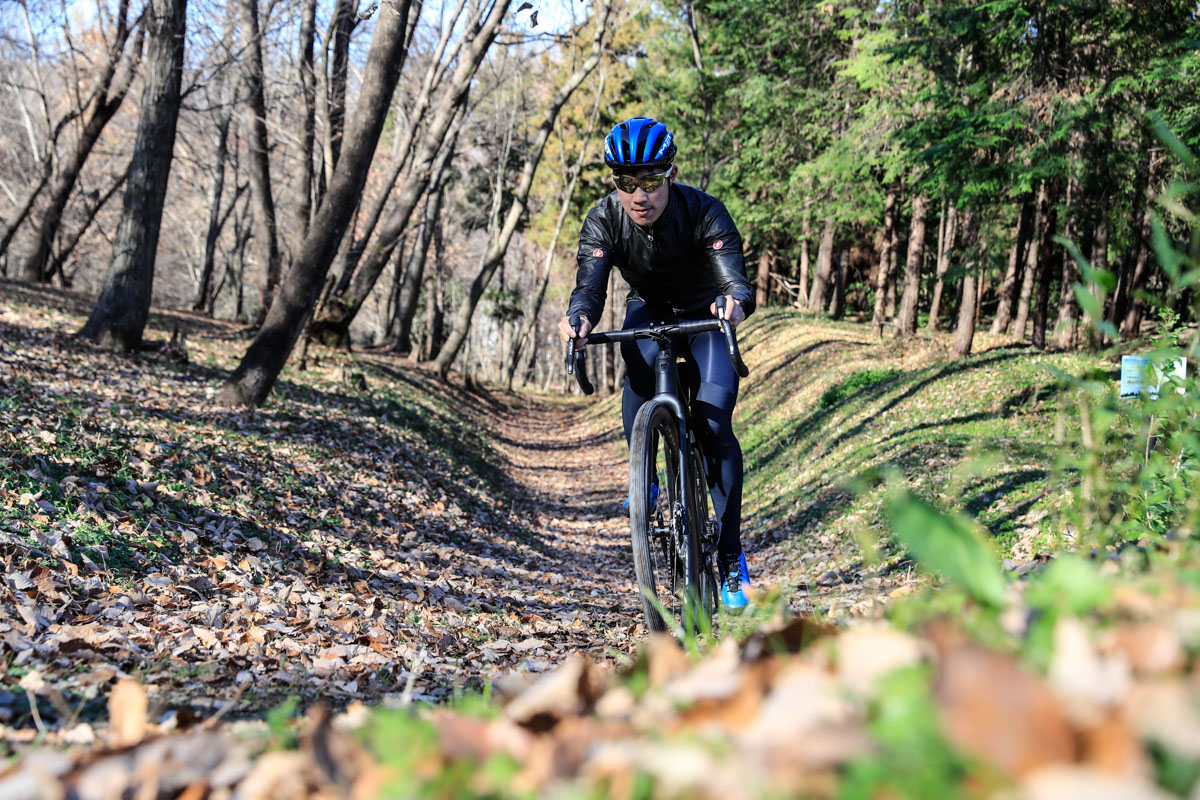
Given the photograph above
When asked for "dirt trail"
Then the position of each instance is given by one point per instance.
(575, 477)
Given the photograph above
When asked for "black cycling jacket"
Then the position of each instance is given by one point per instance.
(689, 256)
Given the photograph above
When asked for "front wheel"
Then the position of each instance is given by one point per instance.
(657, 518)
(700, 521)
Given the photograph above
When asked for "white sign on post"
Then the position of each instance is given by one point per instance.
(1136, 377)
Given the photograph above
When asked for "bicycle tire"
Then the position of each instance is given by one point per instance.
(657, 531)
(700, 508)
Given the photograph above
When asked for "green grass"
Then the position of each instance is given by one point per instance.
(874, 379)
(826, 407)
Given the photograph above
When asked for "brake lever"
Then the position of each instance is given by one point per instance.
(571, 345)
(735, 355)
(577, 362)
(581, 376)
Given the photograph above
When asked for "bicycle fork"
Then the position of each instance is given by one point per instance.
(666, 390)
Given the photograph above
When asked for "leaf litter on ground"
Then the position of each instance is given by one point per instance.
(335, 545)
(173, 570)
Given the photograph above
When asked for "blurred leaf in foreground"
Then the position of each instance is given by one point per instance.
(947, 544)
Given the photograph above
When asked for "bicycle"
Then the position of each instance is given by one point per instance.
(674, 532)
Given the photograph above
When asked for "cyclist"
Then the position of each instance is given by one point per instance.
(678, 250)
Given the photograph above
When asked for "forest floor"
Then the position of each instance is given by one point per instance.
(225, 557)
(201, 601)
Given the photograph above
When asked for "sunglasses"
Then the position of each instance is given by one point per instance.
(648, 183)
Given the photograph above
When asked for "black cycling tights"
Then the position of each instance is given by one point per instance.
(709, 375)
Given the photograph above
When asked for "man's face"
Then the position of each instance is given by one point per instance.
(643, 207)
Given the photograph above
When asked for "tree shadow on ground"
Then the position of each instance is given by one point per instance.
(72, 302)
(795, 355)
(809, 426)
(988, 492)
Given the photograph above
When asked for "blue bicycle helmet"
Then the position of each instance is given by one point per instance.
(639, 142)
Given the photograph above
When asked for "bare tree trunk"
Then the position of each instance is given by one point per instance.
(1132, 325)
(1009, 286)
(101, 106)
(816, 300)
(342, 26)
(1068, 308)
(838, 305)
(706, 96)
(1120, 301)
(308, 85)
(400, 270)
(1029, 276)
(762, 279)
(22, 208)
(254, 377)
(266, 241)
(610, 349)
(333, 323)
(529, 325)
(912, 267)
(804, 266)
(236, 258)
(59, 259)
(227, 273)
(435, 302)
(1041, 310)
(887, 242)
(964, 333)
(981, 290)
(49, 155)
(215, 192)
(889, 306)
(945, 245)
(410, 293)
(462, 321)
(1130, 316)
(119, 317)
(1093, 335)
(351, 254)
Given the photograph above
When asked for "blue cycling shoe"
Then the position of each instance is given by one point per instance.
(735, 580)
(653, 498)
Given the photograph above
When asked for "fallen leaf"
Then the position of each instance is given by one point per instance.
(1150, 648)
(567, 690)
(992, 708)
(1112, 746)
(1086, 681)
(1062, 782)
(33, 681)
(127, 705)
(867, 652)
(1166, 713)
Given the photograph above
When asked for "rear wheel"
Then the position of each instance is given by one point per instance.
(657, 523)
